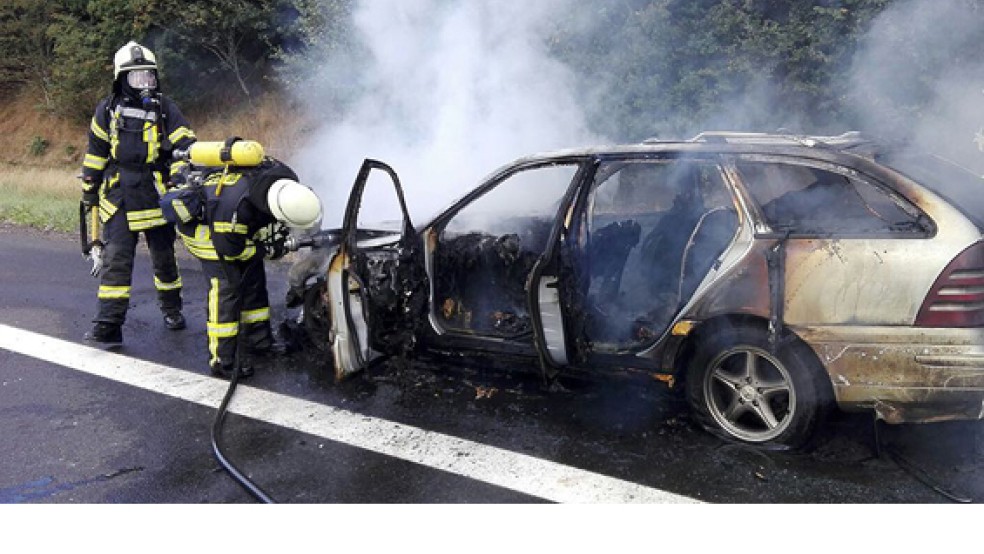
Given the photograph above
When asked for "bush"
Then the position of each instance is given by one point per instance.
(38, 146)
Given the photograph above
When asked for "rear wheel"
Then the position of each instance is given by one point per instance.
(740, 390)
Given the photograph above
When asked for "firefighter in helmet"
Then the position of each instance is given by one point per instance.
(128, 166)
(241, 216)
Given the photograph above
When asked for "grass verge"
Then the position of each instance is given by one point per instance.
(43, 198)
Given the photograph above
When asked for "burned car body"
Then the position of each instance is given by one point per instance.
(774, 277)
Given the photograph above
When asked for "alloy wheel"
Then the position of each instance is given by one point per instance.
(749, 393)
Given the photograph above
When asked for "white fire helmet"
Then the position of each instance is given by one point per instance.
(294, 204)
(133, 56)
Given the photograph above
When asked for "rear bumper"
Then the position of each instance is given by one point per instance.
(905, 375)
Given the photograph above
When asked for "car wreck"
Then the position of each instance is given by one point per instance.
(772, 277)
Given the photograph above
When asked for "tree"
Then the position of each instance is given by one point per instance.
(237, 34)
(26, 51)
(675, 67)
(86, 34)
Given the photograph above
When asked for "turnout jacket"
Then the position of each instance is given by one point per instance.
(234, 209)
(129, 155)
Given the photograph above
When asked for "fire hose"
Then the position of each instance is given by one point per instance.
(241, 153)
(291, 244)
(915, 471)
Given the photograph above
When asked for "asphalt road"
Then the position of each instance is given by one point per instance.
(85, 426)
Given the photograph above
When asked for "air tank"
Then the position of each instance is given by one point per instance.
(216, 154)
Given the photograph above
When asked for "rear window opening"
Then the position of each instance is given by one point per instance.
(962, 188)
(805, 200)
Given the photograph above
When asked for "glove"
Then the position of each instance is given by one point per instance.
(273, 239)
(90, 192)
(96, 256)
(179, 175)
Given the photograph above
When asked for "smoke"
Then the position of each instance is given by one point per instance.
(918, 77)
(444, 91)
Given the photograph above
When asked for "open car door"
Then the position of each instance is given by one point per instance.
(371, 280)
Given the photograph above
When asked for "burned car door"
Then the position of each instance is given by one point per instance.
(494, 286)
(374, 276)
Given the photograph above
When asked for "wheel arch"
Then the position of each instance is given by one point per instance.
(718, 324)
(805, 373)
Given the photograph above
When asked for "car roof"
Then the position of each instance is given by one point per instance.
(727, 141)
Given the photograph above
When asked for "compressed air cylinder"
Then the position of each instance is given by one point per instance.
(217, 154)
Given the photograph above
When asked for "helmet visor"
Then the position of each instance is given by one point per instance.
(141, 79)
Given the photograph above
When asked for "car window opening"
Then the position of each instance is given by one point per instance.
(804, 200)
(486, 252)
(654, 230)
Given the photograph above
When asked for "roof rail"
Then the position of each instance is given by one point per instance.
(843, 141)
(852, 137)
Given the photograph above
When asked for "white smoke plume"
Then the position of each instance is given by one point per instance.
(919, 77)
(447, 91)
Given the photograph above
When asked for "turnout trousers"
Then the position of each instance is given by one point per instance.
(238, 305)
(120, 250)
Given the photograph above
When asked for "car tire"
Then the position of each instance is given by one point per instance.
(740, 390)
(317, 317)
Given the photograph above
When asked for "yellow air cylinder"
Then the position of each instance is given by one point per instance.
(217, 154)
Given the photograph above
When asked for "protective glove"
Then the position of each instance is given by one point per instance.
(90, 198)
(273, 239)
(96, 256)
(179, 175)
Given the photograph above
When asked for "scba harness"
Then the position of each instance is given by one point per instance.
(203, 212)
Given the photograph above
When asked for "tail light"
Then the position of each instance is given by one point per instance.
(957, 297)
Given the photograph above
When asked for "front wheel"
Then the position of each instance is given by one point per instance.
(739, 389)
(316, 317)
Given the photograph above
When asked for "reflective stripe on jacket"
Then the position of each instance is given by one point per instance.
(128, 155)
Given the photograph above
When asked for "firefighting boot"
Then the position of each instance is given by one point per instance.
(226, 370)
(174, 321)
(271, 348)
(108, 335)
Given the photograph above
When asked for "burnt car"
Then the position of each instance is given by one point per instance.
(772, 277)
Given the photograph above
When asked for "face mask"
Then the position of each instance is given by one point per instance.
(141, 79)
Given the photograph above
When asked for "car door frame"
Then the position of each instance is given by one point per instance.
(347, 286)
(648, 357)
(550, 347)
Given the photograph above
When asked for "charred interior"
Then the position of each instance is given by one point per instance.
(394, 289)
(481, 282)
(649, 233)
(645, 236)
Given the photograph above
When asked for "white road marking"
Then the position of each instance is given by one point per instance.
(519, 472)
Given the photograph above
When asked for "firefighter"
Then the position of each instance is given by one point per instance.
(242, 215)
(127, 167)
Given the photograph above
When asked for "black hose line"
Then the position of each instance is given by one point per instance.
(913, 470)
(244, 481)
(240, 478)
